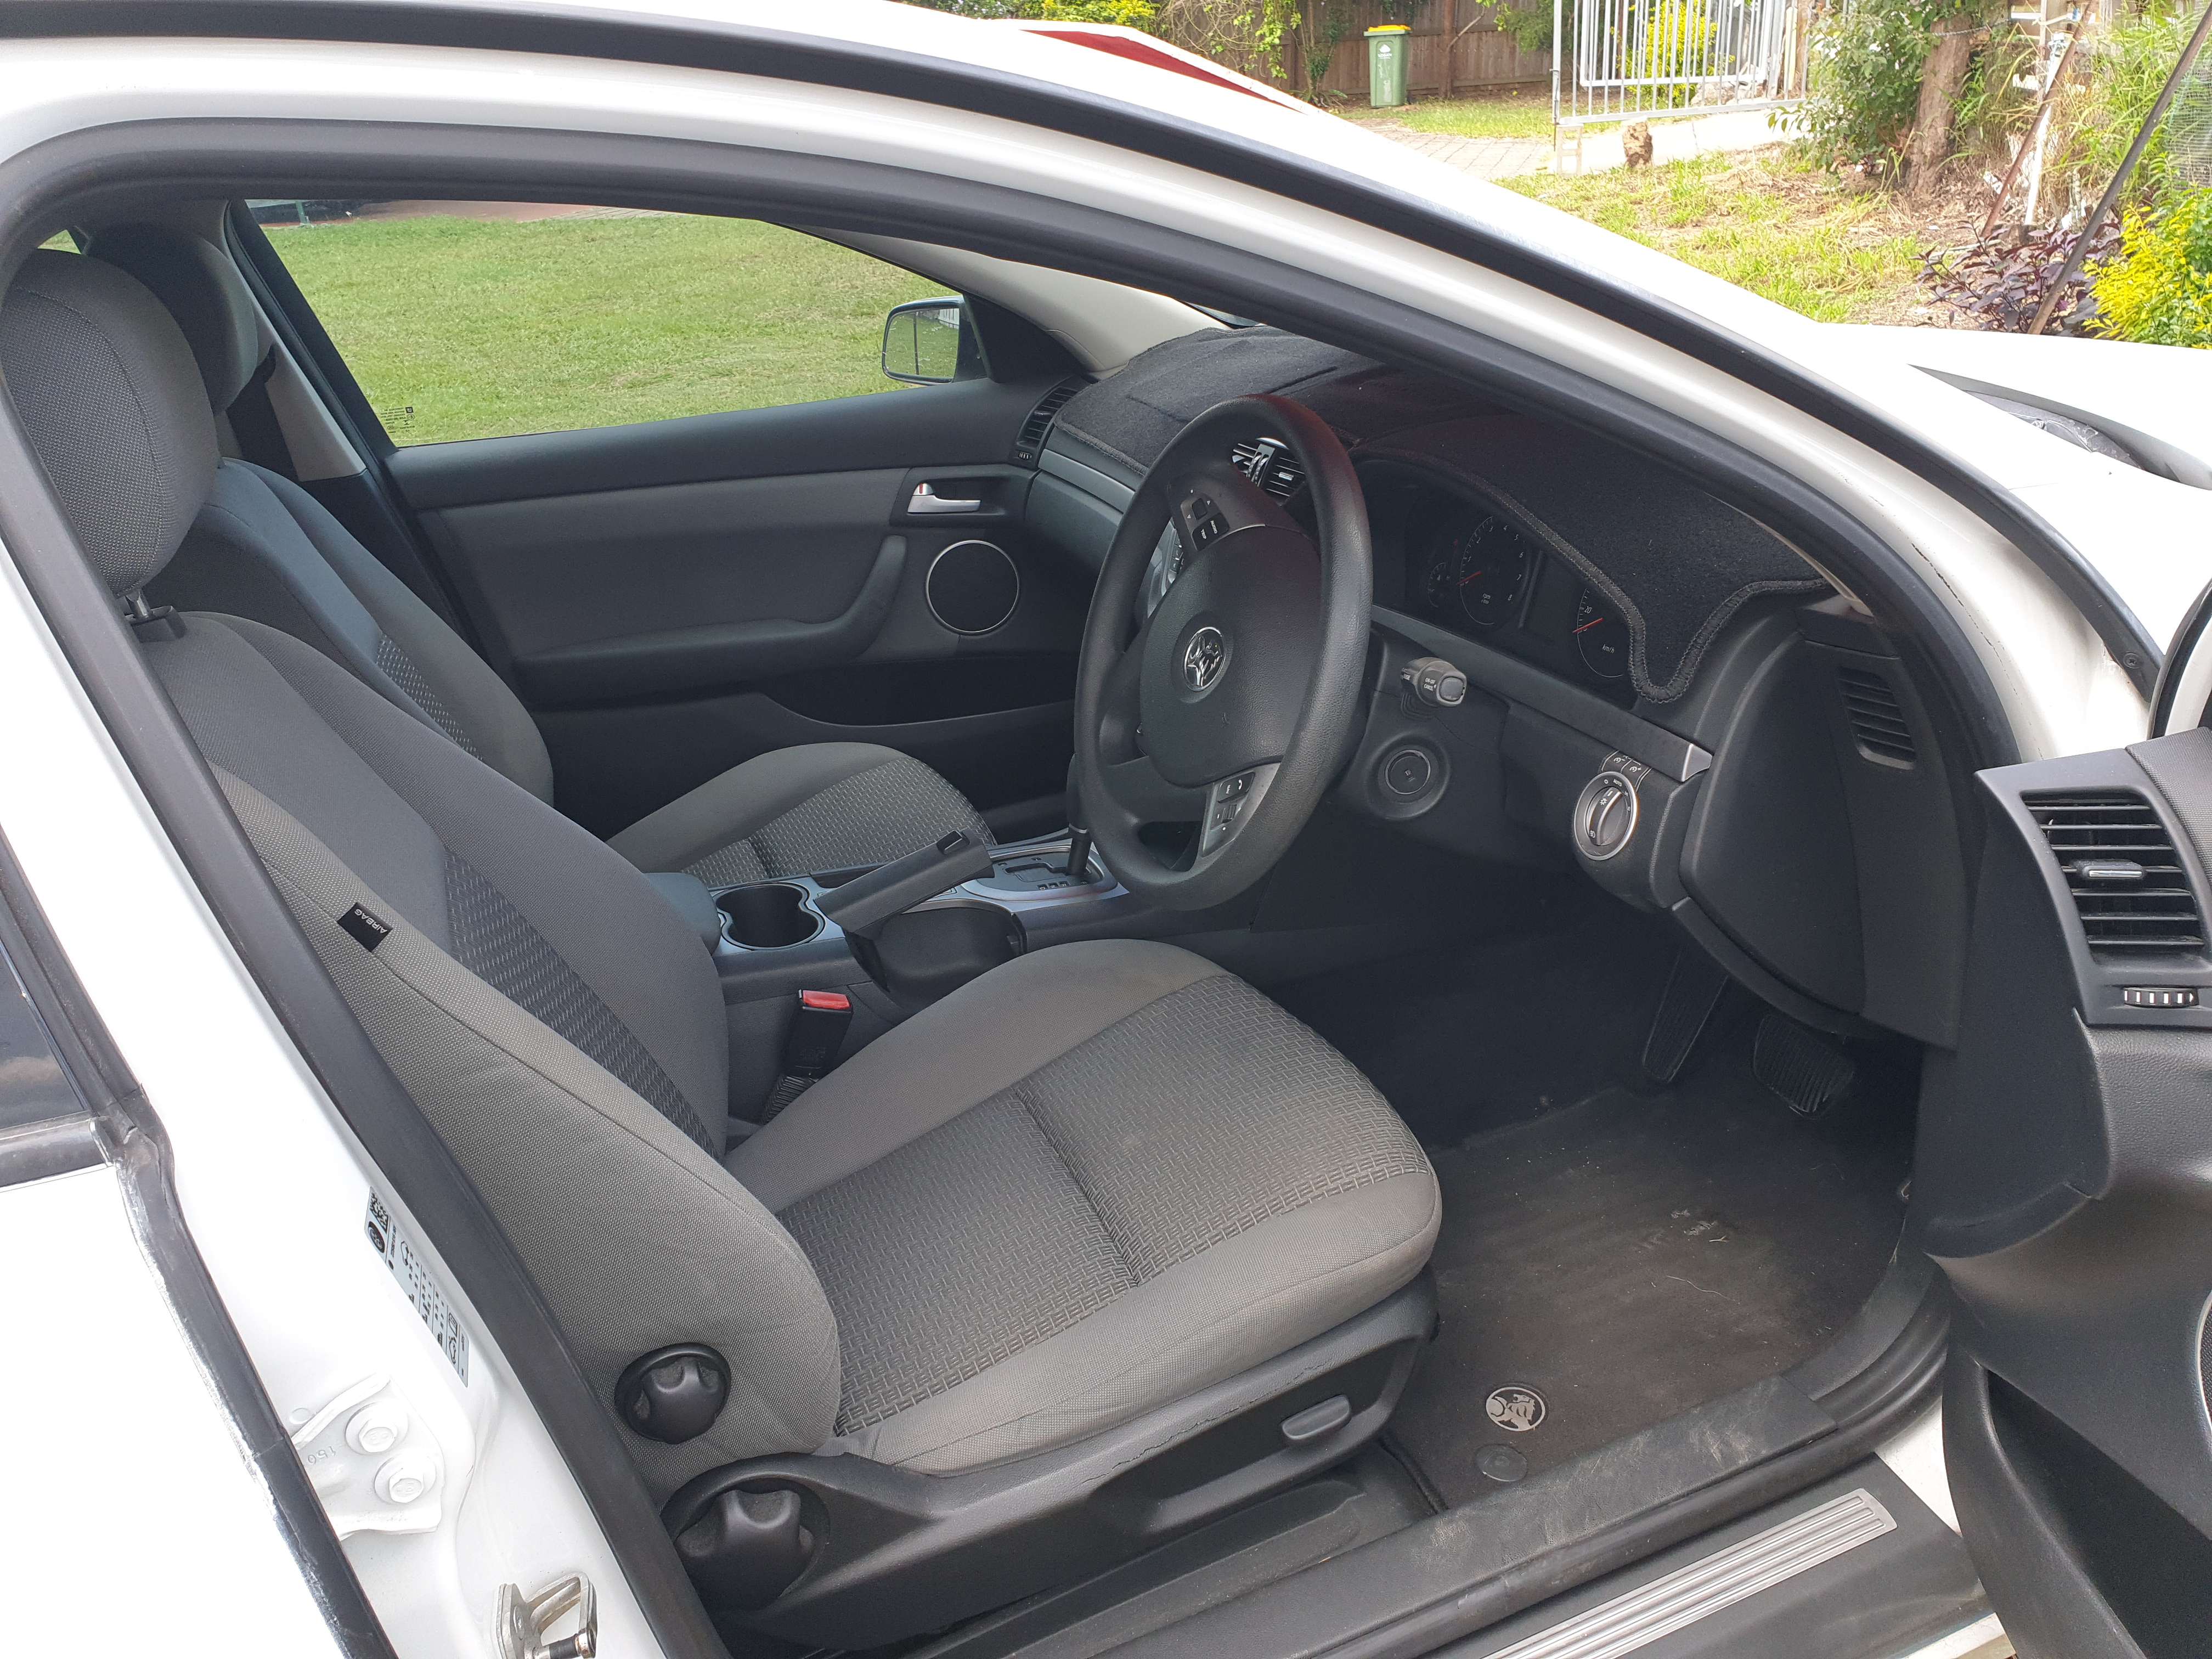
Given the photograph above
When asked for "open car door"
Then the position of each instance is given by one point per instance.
(2065, 1186)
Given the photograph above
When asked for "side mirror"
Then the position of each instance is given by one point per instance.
(929, 342)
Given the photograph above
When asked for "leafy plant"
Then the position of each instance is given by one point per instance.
(1865, 80)
(2159, 291)
(1331, 25)
(2095, 123)
(1246, 36)
(1131, 14)
(2000, 283)
(1530, 25)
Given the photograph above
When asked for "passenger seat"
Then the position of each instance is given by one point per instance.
(265, 548)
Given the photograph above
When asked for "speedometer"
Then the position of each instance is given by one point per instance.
(1601, 636)
(1489, 561)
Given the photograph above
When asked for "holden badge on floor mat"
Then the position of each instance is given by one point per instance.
(1514, 1407)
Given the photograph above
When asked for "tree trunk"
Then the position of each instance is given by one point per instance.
(1941, 78)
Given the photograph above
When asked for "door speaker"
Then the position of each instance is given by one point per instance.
(973, 587)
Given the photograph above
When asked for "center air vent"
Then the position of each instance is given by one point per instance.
(1030, 443)
(1878, 722)
(2128, 883)
(1267, 463)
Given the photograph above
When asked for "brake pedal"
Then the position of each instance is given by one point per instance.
(1694, 985)
(1804, 1069)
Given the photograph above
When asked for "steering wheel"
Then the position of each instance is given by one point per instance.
(1232, 704)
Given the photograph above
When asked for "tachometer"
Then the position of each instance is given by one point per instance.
(1490, 562)
(1601, 636)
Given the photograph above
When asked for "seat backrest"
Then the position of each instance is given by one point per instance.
(263, 548)
(555, 1018)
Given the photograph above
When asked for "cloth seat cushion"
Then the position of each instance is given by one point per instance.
(795, 811)
(1094, 1181)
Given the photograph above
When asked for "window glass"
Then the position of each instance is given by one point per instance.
(486, 319)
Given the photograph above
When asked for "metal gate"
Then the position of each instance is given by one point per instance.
(1615, 60)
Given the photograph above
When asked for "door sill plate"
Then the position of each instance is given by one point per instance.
(1639, 1617)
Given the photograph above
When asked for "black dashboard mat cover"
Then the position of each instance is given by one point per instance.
(1678, 563)
(1130, 415)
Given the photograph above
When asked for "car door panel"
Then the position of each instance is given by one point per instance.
(560, 572)
(654, 592)
(2063, 1183)
(964, 422)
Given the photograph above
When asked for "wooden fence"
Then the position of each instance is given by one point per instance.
(1455, 47)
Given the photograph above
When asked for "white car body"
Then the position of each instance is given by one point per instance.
(275, 1187)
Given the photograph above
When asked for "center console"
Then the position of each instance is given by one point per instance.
(780, 938)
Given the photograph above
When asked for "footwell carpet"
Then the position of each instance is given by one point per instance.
(1630, 1257)
(1607, 1264)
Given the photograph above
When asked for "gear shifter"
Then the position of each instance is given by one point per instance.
(1078, 834)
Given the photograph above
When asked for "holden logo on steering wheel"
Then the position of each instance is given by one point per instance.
(1204, 657)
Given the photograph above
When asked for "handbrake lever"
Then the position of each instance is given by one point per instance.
(864, 904)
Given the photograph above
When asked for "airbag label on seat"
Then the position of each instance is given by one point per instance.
(414, 1277)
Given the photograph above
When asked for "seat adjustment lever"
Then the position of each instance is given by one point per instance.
(674, 1394)
(744, 1548)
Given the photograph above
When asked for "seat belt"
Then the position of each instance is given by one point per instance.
(253, 422)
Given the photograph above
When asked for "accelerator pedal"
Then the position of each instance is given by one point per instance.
(1694, 985)
(1804, 1069)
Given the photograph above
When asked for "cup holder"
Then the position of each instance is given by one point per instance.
(767, 916)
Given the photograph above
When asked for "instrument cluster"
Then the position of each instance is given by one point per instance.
(1471, 567)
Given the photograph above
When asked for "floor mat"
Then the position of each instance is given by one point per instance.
(1610, 1265)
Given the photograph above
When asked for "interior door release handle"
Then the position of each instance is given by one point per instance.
(927, 499)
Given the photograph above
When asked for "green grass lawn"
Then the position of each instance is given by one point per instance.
(1761, 222)
(485, 327)
(1524, 115)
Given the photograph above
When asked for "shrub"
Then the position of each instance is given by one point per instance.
(2159, 289)
(1134, 13)
(1866, 62)
(2000, 283)
(2095, 123)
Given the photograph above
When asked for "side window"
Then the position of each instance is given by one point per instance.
(484, 319)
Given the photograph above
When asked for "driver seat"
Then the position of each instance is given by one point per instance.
(1102, 1183)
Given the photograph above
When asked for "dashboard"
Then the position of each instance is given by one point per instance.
(1447, 555)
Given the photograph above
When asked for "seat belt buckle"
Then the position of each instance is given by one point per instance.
(817, 1033)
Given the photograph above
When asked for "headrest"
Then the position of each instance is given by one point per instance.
(203, 292)
(107, 392)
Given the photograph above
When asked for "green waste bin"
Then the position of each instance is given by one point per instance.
(1388, 44)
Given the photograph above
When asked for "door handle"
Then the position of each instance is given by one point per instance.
(927, 499)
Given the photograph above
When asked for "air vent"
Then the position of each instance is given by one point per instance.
(1878, 722)
(1267, 464)
(1031, 444)
(2128, 883)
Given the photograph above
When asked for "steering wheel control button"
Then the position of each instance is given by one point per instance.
(1225, 802)
(1408, 772)
(1606, 814)
(1434, 682)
